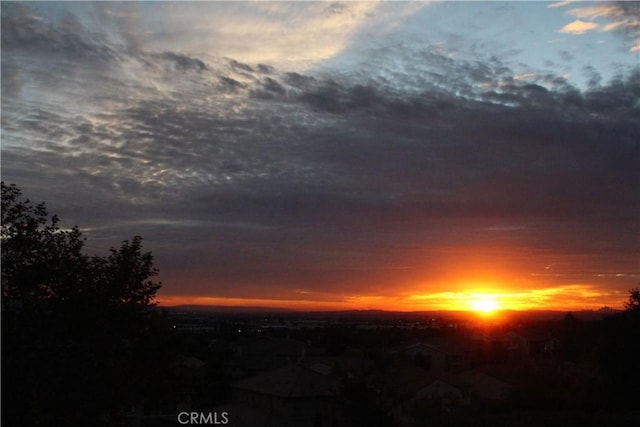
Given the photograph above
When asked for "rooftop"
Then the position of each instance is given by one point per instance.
(293, 381)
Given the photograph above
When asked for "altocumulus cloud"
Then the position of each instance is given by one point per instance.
(245, 174)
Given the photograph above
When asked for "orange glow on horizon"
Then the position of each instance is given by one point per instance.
(482, 301)
(174, 300)
(485, 304)
(561, 298)
(465, 278)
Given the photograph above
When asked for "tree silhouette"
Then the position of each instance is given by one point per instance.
(633, 304)
(76, 329)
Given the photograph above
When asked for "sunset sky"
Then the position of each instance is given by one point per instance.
(319, 155)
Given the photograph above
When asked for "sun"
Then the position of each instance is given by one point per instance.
(484, 304)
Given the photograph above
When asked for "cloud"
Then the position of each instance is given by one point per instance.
(578, 27)
(24, 29)
(183, 62)
(624, 17)
(250, 178)
(560, 3)
(596, 12)
(282, 34)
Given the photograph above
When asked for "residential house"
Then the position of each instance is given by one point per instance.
(409, 391)
(293, 395)
(483, 387)
(445, 356)
(257, 354)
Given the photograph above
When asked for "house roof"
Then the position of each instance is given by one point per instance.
(293, 381)
(403, 383)
(448, 347)
(483, 385)
(274, 346)
(340, 363)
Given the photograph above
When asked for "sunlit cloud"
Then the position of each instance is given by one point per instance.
(596, 12)
(560, 3)
(578, 27)
(525, 76)
(625, 17)
(295, 35)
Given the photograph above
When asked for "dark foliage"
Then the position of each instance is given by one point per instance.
(81, 340)
(633, 305)
(620, 356)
